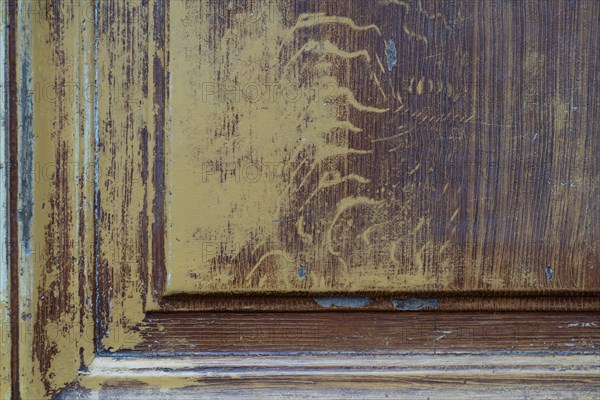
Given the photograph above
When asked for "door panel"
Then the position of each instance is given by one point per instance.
(328, 146)
(350, 188)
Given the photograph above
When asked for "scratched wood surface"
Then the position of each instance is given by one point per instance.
(327, 146)
(433, 148)
(495, 176)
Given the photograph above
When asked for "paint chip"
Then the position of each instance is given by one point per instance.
(414, 304)
(391, 55)
(549, 273)
(301, 272)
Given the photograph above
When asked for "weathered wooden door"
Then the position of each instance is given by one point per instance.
(258, 198)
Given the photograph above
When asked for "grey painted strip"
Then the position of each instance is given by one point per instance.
(351, 302)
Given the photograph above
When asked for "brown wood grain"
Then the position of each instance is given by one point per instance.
(367, 332)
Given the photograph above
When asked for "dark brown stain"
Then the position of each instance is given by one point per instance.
(160, 81)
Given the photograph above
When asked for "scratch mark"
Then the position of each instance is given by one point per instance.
(415, 169)
(316, 19)
(378, 83)
(346, 125)
(379, 63)
(343, 206)
(417, 36)
(395, 136)
(279, 253)
(453, 217)
(580, 325)
(420, 87)
(304, 21)
(337, 151)
(365, 235)
(328, 182)
(443, 335)
(349, 96)
(326, 47)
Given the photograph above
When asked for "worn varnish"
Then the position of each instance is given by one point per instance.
(280, 177)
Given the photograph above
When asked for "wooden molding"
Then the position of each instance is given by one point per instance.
(51, 101)
(352, 377)
(5, 271)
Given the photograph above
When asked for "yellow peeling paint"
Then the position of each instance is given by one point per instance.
(255, 117)
(125, 112)
(55, 50)
(242, 125)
